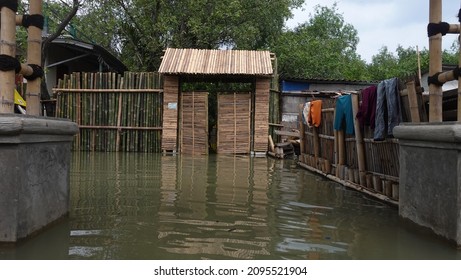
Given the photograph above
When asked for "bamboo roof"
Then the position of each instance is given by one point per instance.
(216, 62)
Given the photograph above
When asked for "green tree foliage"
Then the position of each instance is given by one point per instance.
(322, 47)
(139, 30)
(404, 62)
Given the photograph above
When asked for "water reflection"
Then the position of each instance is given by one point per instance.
(149, 206)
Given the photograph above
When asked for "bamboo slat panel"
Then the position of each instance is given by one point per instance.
(194, 123)
(111, 114)
(261, 115)
(170, 112)
(382, 157)
(213, 62)
(234, 123)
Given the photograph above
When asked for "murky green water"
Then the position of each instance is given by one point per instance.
(149, 206)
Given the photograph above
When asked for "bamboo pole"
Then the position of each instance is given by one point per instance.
(360, 146)
(316, 143)
(34, 57)
(336, 147)
(341, 147)
(435, 63)
(302, 131)
(7, 47)
(413, 101)
(459, 79)
(419, 64)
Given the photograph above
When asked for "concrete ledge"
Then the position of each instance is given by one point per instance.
(430, 177)
(11, 124)
(429, 132)
(34, 172)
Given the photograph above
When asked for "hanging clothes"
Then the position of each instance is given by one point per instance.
(344, 114)
(367, 110)
(388, 112)
(315, 113)
(306, 112)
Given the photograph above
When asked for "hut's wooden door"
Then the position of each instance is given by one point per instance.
(194, 123)
(234, 123)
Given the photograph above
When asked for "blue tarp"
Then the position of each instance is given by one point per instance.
(294, 86)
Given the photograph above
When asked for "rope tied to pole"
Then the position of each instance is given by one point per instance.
(8, 63)
(436, 28)
(10, 4)
(33, 20)
(434, 79)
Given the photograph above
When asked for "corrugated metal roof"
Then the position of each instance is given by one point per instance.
(216, 62)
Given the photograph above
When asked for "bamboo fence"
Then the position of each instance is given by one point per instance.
(358, 161)
(113, 112)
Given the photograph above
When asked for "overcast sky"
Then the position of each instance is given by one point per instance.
(386, 23)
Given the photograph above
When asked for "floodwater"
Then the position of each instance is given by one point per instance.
(149, 206)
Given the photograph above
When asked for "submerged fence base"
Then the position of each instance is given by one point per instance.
(430, 177)
(34, 171)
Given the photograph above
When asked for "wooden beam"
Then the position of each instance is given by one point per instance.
(287, 133)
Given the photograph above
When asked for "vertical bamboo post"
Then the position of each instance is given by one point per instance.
(119, 120)
(435, 63)
(34, 54)
(360, 146)
(315, 131)
(7, 47)
(341, 150)
(413, 101)
(302, 131)
(459, 78)
(336, 146)
(419, 64)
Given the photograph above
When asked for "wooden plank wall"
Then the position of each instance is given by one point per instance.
(194, 123)
(170, 113)
(261, 115)
(234, 123)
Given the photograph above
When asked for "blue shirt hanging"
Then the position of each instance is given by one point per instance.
(344, 115)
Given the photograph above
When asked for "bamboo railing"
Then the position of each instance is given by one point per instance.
(113, 112)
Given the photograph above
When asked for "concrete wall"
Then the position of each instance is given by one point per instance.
(430, 177)
(34, 171)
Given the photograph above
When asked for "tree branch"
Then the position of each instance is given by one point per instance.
(61, 27)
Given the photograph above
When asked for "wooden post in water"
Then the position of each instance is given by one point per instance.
(360, 146)
(435, 63)
(7, 47)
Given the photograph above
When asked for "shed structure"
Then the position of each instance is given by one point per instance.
(242, 117)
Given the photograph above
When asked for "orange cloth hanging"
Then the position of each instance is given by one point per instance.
(315, 113)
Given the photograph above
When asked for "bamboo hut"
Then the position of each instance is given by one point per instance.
(242, 117)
